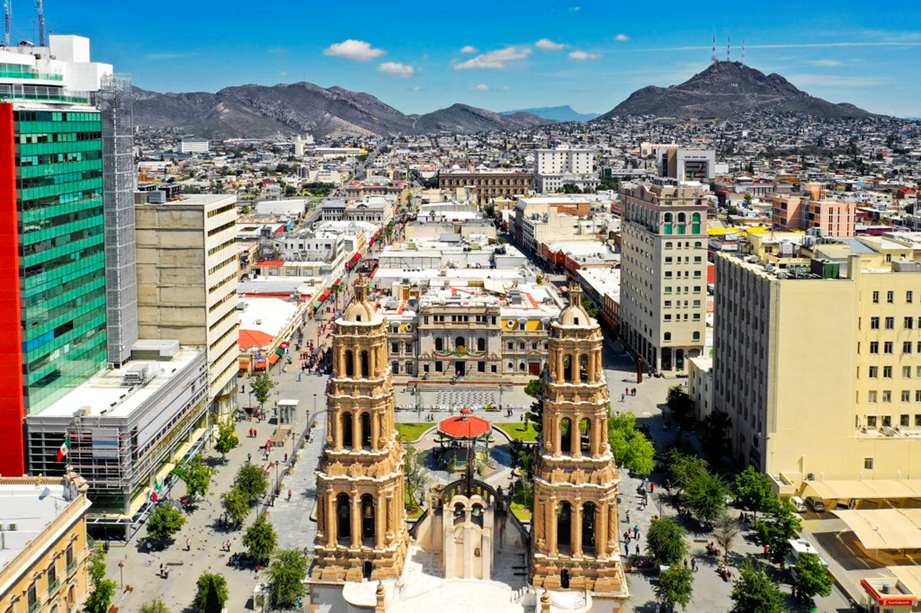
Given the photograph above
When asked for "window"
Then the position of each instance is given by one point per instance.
(906, 372)
(909, 323)
(32, 597)
(917, 395)
(890, 323)
(871, 397)
(874, 372)
(887, 372)
(887, 347)
(871, 421)
(876, 297)
(395, 368)
(906, 347)
(668, 289)
(890, 297)
(906, 397)
(668, 304)
(696, 336)
(917, 420)
(395, 347)
(887, 421)
(667, 336)
(909, 297)
(904, 420)
(887, 397)
(438, 367)
(868, 463)
(874, 347)
(874, 323)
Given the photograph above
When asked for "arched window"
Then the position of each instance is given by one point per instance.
(588, 528)
(365, 365)
(695, 218)
(481, 344)
(349, 363)
(667, 336)
(564, 526)
(343, 517)
(567, 369)
(698, 245)
(439, 344)
(566, 435)
(460, 343)
(459, 513)
(345, 424)
(476, 515)
(367, 516)
(668, 218)
(583, 368)
(585, 437)
(668, 245)
(682, 218)
(696, 336)
(366, 431)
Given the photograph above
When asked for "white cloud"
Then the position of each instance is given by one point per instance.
(826, 63)
(548, 45)
(495, 60)
(468, 49)
(397, 69)
(621, 38)
(583, 56)
(282, 74)
(352, 49)
(482, 87)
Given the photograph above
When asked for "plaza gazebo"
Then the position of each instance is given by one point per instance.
(459, 436)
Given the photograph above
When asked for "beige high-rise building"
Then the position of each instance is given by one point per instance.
(361, 532)
(574, 530)
(818, 361)
(664, 272)
(187, 282)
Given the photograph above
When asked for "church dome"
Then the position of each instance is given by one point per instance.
(575, 314)
(360, 311)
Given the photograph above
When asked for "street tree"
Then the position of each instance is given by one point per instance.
(754, 592)
(632, 450)
(196, 476)
(415, 475)
(100, 599)
(725, 533)
(251, 481)
(212, 593)
(680, 404)
(286, 576)
(811, 578)
(675, 586)
(260, 540)
(337, 291)
(705, 496)
(779, 524)
(236, 505)
(753, 490)
(713, 434)
(535, 389)
(263, 388)
(164, 522)
(665, 541)
(156, 606)
(684, 468)
(227, 439)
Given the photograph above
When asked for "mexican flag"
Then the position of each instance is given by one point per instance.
(64, 448)
(156, 484)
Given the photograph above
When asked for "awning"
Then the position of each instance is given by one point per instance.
(280, 351)
(355, 258)
(259, 365)
(868, 489)
(338, 281)
(885, 528)
(244, 366)
(274, 358)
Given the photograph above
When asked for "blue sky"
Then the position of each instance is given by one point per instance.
(503, 54)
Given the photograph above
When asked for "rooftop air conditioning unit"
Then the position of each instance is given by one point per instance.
(12, 527)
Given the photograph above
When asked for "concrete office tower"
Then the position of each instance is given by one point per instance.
(187, 282)
(818, 361)
(664, 272)
(554, 168)
(115, 102)
(361, 533)
(52, 215)
(685, 164)
(574, 532)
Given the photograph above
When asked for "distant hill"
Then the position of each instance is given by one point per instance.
(727, 89)
(256, 111)
(556, 113)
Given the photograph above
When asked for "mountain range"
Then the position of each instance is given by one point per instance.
(727, 89)
(556, 113)
(724, 89)
(256, 111)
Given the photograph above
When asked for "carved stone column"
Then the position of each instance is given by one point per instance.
(380, 513)
(332, 521)
(575, 436)
(553, 520)
(576, 523)
(356, 520)
(601, 530)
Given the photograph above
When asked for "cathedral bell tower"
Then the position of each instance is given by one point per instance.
(361, 532)
(574, 530)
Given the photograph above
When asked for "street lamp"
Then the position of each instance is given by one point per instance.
(121, 573)
(314, 416)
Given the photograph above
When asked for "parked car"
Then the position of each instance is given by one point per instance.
(815, 504)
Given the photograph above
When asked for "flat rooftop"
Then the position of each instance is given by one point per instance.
(24, 505)
(107, 394)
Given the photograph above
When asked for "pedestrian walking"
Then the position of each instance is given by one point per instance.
(637, 549)
(286, 456)
(188, 544)
(249, 457)
(694, 564)
(628, 516)
(636, 530)
(652, 487)
(626, 549)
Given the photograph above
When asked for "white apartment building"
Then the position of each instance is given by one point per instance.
(194, 145)
(664, 272)
(187, 281)
(554, 168)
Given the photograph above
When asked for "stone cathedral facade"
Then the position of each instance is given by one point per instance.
(575, 529)
(361, 532)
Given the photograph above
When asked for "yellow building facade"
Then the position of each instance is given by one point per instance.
(43, 564)
(818, 364)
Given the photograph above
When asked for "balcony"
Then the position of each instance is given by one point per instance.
(71, 567)
(53, 587)
(35, 606)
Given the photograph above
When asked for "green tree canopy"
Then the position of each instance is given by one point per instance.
(811, 578)
(713, 434)
(779, 524)
(251, 481)
(211, 595)
(156, 606)
(164, 522)
(100, 599)
(631, 449)
(236, 505)
(263, 386)
(665, 540)
(196, 476)
(684, 468)
(754, 592)
(286, 575)
(227, 438)
(681, 404)
(705, 495)
(260, 540)
(753, 491)
(535, 389)
(675, 586)
(416, 477)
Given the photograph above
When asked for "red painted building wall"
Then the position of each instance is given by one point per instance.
(12, 408)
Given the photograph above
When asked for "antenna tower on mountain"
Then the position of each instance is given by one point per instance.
(743, 52)
(728, 55)
(713, 51)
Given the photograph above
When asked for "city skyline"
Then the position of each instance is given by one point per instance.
(578, 53)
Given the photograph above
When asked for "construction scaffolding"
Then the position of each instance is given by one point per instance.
(115, 103)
